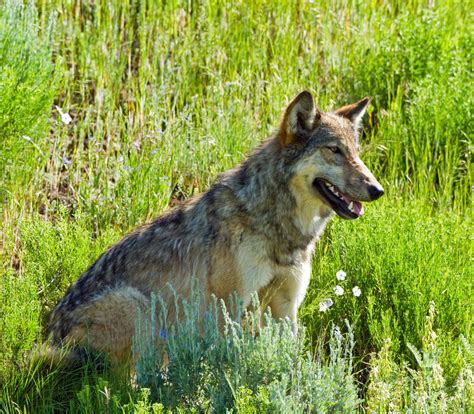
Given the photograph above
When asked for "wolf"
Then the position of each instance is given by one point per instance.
(253, 231)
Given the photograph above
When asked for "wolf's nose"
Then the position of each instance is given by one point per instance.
(375, 191)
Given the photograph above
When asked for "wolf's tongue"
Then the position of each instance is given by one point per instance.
(358, 208)
(356, 205)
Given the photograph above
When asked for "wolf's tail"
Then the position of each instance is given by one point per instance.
(50, 356)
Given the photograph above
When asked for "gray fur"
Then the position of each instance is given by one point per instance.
(251, 210)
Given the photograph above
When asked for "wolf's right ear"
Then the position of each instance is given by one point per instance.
(355, 111)
(300, 116)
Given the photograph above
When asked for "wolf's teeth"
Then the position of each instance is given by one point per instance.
(334, 190)
(351, 206)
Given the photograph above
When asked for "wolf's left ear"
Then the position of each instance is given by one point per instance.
(300, 117)
(355, 111)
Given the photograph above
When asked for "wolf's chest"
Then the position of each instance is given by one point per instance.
(256, 267)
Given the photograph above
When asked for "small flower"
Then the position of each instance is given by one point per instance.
(127, 168)
(211, 141)
(65, 117)
(66, 160)
(136, 144)
(153, 152)
(341, 275)
(338, 290)
(356, 291)
(325, 305)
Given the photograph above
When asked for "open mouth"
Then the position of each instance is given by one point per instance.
(344, 206)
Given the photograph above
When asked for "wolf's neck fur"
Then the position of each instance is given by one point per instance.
(263, 184)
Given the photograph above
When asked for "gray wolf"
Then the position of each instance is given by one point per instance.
(254, 230)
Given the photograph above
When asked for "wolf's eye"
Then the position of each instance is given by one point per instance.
(336, 150)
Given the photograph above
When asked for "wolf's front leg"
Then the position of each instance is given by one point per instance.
(282, 298)
(285, 294)
(284, 307)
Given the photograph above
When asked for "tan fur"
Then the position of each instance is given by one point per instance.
(108, 323)
(287, 289)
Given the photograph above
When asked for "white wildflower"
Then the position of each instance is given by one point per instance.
(325, 305)
(65, 117)
(338, 290)
(356, 291)
(341, 275)
(211, 140)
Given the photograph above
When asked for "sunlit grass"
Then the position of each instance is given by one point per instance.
(110, 111)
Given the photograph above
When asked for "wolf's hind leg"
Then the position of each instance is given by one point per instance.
(108, 323)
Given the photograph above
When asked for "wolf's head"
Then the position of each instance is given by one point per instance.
(324, 150)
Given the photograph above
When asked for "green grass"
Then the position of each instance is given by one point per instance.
(403, 257)
(27, 88)
(165, 95)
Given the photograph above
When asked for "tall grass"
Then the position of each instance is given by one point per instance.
(27, 89)
(402, 257)
(399, 388)
(163, 96)
(158, 91)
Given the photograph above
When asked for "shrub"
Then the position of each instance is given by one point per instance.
(233, 367)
